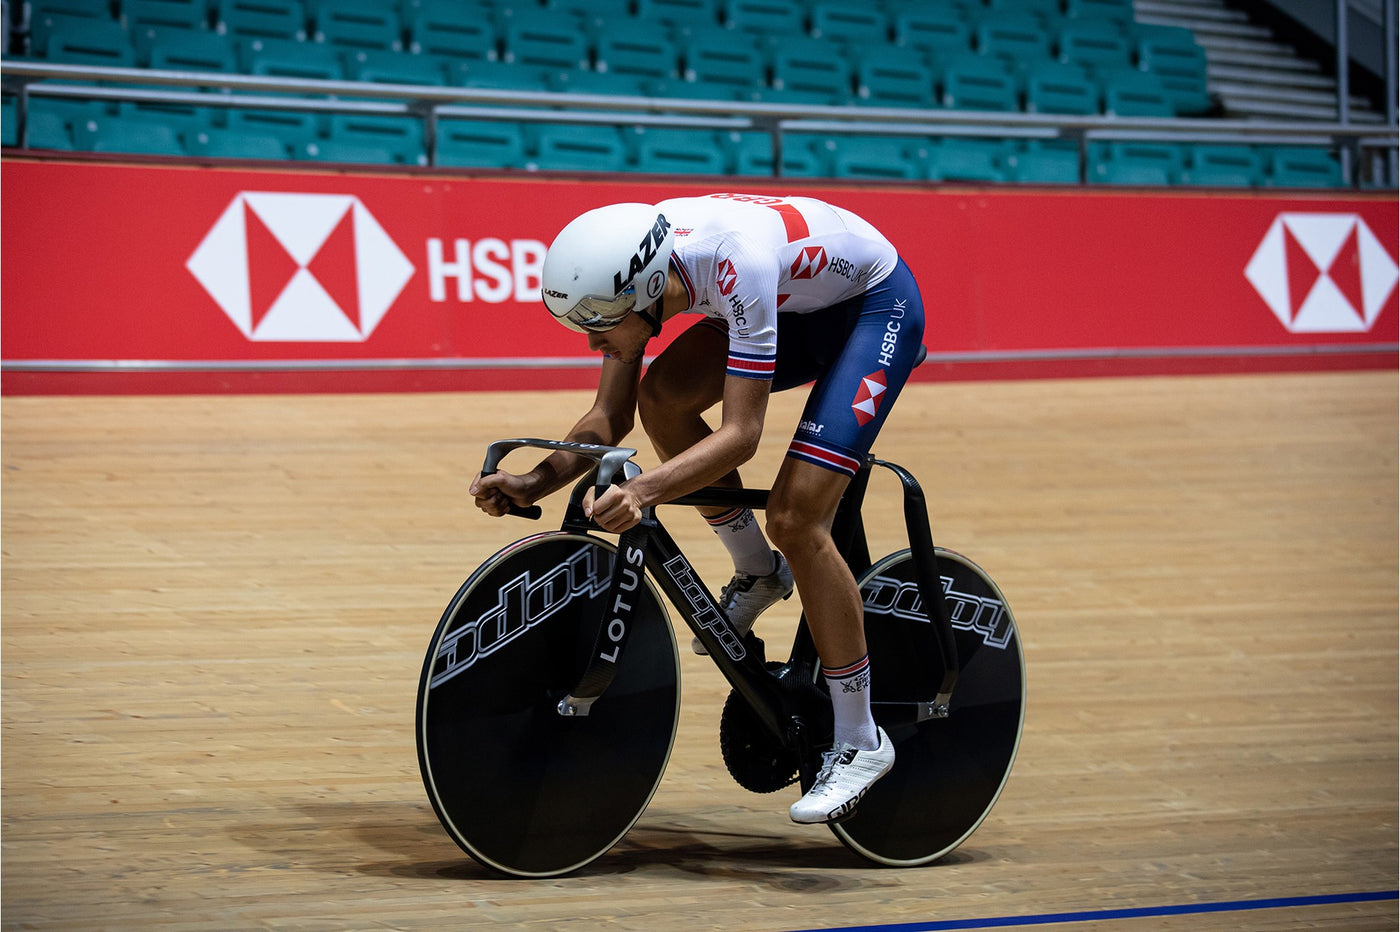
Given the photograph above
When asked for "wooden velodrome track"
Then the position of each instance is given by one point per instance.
(216, 608)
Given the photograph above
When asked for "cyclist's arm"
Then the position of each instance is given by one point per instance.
(607, 422)
(729, 446)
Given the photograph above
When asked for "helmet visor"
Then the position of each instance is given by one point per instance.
(596, 313)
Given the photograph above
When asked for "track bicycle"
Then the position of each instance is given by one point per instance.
(549, 696)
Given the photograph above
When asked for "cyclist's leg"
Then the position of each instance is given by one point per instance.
(845, 411)
(800, 511)
(680, 385)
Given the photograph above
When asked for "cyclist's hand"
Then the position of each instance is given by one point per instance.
(495, 493)
(615, 510)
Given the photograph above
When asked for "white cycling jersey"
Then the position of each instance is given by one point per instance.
(746, 258)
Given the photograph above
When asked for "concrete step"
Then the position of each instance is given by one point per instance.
(1245, 46)
(1248, 108)
(1187, 10)
(1290, 64)
(1293, 78)
(1209, 25)
(1239, 90)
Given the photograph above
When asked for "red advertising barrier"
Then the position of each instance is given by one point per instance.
(157, 278)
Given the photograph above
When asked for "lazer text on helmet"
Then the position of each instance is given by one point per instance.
(646, 251)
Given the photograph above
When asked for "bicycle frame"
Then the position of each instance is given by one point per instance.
(742, 661)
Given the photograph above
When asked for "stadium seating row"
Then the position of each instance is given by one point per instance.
(931, 55)
(1043, 56)
(267, 134)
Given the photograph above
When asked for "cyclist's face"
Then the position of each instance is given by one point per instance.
(626, 342)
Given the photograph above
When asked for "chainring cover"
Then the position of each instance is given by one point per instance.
(757, 760)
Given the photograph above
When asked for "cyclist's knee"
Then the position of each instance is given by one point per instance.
(661, 393)
(793, 530)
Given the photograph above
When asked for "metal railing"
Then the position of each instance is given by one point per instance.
(429, 104)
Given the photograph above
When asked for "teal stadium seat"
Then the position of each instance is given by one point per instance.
(638, 49)
(1060, 88)
(45, 15)
(804, 156)
(331, 150)
(682, 14)
(1117, 11)
(1041, 9)
(88, 9)
(1302, 167)
(539, 39)
(450, 30)
(292, 127)
(1173, 55)
(1135, 163)
(359, 24)
(875, 157)
(849, 22)
(181, 117)
(795, 97)
(973, 160)
(1135, 94)
(80, 41)
(47, 129)
(1018, 38)
(166, 14)
(1130, 174)
(720, 56)
(578, 148)
(610, 84)
(748, 153)
(783, 18)
(402, 137)
(936, 31)
(1095, 45)
(130, 137)
(594, 13)
(679, 152)
(1223, 166)
(893, 76)
(975, 82)
(381, 67)
(170, 49)
(290, 58)
(813, 65)
(1038, 163)
(230, 144)
(480, 144)
(261, 19)
(681, 89)
(499, 75)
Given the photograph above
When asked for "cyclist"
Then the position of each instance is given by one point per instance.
(789, 290)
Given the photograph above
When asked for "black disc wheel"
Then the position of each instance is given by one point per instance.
(948, 772)
(518, 786)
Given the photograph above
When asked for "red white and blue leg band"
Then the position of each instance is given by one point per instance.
(824, 456)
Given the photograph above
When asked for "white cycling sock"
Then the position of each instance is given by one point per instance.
(743, 538)
(850, 701)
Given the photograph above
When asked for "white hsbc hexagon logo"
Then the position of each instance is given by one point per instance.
(300, 267)
(1322, 273)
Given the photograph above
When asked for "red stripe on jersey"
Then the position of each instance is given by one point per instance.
(752, 365)
(793, 221)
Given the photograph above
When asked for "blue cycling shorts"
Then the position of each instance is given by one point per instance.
(859, 353)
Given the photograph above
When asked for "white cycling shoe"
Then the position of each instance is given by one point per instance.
(746, 597)
(845, 776)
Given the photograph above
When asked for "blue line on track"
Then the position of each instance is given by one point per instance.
(1097, 915)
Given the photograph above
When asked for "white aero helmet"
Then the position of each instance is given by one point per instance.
(605, 264)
